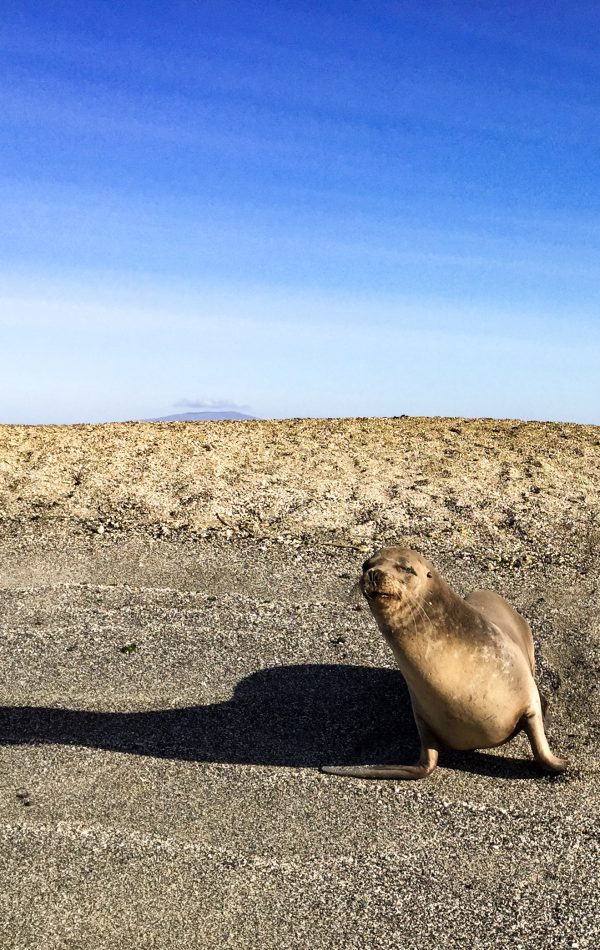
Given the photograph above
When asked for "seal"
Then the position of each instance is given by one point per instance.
(468, 664)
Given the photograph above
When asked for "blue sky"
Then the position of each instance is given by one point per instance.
(300, 208)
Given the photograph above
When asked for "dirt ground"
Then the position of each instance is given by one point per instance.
(183, 648)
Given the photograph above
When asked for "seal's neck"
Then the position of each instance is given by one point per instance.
(415, 627)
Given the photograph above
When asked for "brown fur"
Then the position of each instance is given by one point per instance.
(469, 664)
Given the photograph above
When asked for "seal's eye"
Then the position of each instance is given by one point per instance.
(365, 566)
(408, 569)
(429, 574)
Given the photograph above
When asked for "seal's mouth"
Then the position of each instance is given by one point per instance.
(370, 586)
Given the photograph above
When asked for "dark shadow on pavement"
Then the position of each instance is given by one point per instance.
(297, 716)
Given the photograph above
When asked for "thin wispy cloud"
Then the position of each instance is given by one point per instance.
(211, 405)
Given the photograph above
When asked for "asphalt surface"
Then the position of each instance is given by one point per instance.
(165, 710)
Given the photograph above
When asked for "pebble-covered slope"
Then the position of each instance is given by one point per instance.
(521, 490)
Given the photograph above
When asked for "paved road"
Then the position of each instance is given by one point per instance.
(165, 711)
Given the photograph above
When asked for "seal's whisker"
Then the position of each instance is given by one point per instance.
(425, 614)
(412, 616)
(354, 594)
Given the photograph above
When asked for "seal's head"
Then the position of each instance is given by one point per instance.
(394, 579)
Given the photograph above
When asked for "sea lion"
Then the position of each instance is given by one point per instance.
(468, 664)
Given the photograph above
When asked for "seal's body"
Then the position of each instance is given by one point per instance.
(469, 664)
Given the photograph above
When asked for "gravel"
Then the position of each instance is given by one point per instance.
(173, 682)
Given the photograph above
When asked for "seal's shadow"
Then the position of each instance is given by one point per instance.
(286, 716)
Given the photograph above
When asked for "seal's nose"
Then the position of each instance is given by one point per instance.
(374, 577)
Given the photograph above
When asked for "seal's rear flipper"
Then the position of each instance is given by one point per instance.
(380, 771)
(545, 703)
(534, 727)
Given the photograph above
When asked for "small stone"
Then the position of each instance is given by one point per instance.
(129, 648)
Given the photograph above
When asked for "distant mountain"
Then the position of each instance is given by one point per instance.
(202, 416)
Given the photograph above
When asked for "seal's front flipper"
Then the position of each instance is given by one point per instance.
(534, 727)
(378, 771)
(427, 763)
